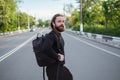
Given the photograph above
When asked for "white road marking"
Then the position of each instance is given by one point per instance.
(109, 52)
(15, 49)
(18, 47)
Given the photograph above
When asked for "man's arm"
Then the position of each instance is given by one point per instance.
(48, 47)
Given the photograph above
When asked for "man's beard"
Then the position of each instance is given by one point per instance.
(60, 28)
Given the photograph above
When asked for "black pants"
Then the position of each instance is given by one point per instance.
(62, 71)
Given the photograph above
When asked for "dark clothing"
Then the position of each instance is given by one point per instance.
(62, 71)
(54, 45)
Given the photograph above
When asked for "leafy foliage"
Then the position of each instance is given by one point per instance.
(99, 16)
(10, 17)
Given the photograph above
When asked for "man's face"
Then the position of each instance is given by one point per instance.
(59, 23)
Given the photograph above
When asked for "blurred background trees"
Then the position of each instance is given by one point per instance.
(11, 17)
(98, 16)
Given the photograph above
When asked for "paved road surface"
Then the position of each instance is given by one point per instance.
(87, 60)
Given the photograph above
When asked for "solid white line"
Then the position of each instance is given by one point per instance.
(109, 52)
(15, 49)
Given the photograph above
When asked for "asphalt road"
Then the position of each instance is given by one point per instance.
(87, 60)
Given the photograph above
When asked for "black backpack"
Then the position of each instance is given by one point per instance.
(39, 54)
(38, 48)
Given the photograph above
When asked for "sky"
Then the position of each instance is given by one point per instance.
(44, 9)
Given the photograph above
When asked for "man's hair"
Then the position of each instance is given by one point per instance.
(54, 18)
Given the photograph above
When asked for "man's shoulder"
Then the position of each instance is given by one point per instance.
(51, 35)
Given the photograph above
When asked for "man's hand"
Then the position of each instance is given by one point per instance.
(61, 57)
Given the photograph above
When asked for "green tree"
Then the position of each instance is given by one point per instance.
(74, 20)
(47, 23)
(40, 23)
(111, 10)
(8, 7)
(32, 20)
(99, 16)
(23, 20)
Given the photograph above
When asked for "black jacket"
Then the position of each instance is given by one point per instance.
(57, 70)
(54, 44)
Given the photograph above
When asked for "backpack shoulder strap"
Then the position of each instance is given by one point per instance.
(44, 73)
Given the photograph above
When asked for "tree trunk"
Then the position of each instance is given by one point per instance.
(106, 23)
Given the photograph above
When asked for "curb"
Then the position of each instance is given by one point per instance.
(108, 40)
(13, 32)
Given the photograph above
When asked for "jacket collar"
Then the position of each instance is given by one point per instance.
(57, 33)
